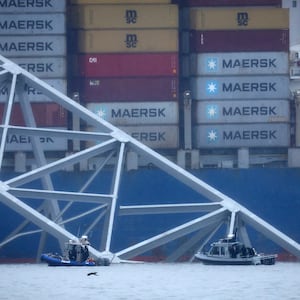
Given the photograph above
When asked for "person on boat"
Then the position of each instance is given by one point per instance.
(84, 251)
(72, 252)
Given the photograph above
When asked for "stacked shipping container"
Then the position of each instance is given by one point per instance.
(239, 76)
(33, 34)
(126, 66)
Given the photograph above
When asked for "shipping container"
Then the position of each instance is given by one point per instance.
(38, 6)
(124, 16)
(126, 64)
(19, 24)
(33, 94)
(127, 89)
(242, 111)
(239, 63)
(86, 2)
(228, 2)
(45, 114)
(240, 87)
(154, 136)
(23, 142)
(239, 40)
(137, 113)
(134, 40)
(43, 67)
(33, 45)
(242, 135)
(240, 18)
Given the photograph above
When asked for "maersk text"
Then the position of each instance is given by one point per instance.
(26, 46)
(250, 135)
(26, 3)
(149, 136)
(250, 111)
(249, 87)
(27, 24)
(249, 63)
(139, 113)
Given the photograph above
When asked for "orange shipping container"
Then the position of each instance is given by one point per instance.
(124, 16)
(134, 40)
(239, 18)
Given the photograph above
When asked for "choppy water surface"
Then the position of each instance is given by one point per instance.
(150, 281)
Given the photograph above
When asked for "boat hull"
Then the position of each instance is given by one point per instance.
(57, 261)
(255, 260)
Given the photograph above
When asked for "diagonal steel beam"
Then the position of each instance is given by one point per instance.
(174, 233)
(40, 220)
(61, 163)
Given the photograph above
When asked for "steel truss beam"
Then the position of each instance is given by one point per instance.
(111, 144)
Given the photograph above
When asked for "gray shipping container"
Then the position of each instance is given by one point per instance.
(32, 6)
(34, 95)
(242, 135)
(240, 87)
(137, 113)
(19, 24)
(43, 67)
(239, 63)
(33, 45)
(23, 143)
(155, 136)
(242, 111)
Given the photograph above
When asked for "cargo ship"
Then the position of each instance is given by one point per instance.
(211, 85)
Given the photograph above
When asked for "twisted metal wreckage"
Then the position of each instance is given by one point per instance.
(112, 144)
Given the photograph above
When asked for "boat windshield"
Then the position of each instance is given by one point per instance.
(217, 250)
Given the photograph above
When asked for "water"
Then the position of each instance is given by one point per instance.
(151, 281)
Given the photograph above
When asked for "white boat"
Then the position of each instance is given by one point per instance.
(228, 251)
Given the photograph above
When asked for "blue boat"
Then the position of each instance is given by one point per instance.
(55, 260)
(76, 255)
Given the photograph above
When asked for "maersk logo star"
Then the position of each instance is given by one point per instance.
(101, 112)
(212, 135)
(212, 111)
(212, 64)
(212, 87)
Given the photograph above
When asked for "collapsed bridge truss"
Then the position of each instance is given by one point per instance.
(113, 147)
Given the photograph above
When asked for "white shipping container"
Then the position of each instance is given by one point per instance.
(23, 142)
(240, 87)
(239, 63)
(33, 45)
(136, 113)
(19, 24)
(242, 135)
(155, 136)
(32, 6)
(33, 94)
(43, 67)
(242, 111)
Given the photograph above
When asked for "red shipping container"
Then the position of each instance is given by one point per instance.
(45, 115)
(228, 2)
(124, 65)
(127, 89)
(239, 40)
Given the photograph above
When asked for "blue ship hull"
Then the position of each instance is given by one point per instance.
(272, 193)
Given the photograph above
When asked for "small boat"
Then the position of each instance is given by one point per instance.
(56, 260)
(228, 251)
(76, 255)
